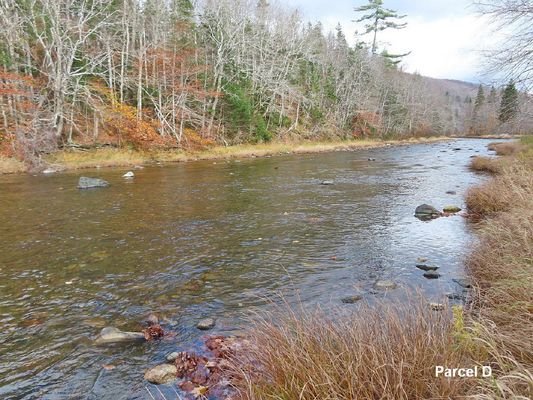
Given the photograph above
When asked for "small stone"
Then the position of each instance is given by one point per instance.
(463, 282)
(421, 259)
(128, 174)
(451, 209)
(456, 296)
(436, 306)
(351, 299)
(425, 267)
(172, 356)
(138, 167)
(161, 374)
(206, 324)
(452, 192)
(49, 171)
(385, 285)
(431, 275)
(327, 183)
(371, 159)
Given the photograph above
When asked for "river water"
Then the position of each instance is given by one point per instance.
(209, 239)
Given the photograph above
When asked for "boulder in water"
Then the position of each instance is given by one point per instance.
(206, 324)
(89, 183)
(111, 334)
(351, 299)
(327, 183)
(161, 374)
(425, 267)
(431, 275)
(425, 211)
(128, 174)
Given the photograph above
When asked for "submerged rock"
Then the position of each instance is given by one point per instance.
(385, 285)
(327, 183)
(114, 335)
(431, 275)
(351, 299)
(206, 324)
(453, 192)
(88, 183)
(161, 374)
(456, 296)
(463, 282)
(128, 174)
(425, 211)
(451, 209)
(425, 267)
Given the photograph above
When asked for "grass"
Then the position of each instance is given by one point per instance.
(11, 166)
(390, 351)
(501, 265)
(506, 148)
(112, 157)
(380, 352)
(484, 164)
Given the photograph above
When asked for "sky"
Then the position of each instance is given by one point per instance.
(445, 37)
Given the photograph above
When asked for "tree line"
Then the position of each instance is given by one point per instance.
(170, 73)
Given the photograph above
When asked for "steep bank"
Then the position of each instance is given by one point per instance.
(114, 157)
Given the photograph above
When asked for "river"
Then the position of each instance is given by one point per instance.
(209, 239)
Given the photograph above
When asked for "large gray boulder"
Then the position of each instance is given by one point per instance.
(114, 335)
(88, 183)
(425, 211)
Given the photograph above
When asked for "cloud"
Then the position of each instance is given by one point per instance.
(445, 37)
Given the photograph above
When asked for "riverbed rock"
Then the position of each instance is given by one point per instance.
(49, 171)
(452, 192)
(111, 334)
(371, 159)
(327, 183)
(456, 296)
(351, 299)
(425, 211)
(161, 374)
(421, 259)
(206, 324)
(436, 306)
(451, 209)
(425, 267)
(172, 356)
(431, 275)
(463, 282)
(385, 285)
(88, 183)
(128, 174)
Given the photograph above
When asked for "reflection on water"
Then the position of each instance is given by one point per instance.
(207, 239)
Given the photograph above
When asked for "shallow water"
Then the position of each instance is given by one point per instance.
(208, 239)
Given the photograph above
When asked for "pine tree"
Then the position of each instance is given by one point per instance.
(480, 98)
(509, 104)
(379, 19)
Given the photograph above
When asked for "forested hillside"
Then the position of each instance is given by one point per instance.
(167, 73)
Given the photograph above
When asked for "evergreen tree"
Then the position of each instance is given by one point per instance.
(492, 95)
(509, 104)
(480, 98)
(379, 18)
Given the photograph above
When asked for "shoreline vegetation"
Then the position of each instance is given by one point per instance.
(75, 159)
(391, 351)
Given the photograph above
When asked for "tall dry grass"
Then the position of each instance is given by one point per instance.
(501, 265)
(485, 164)
(385, 351)
(506, 148)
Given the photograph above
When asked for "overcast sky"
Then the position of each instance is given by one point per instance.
(445, 37)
